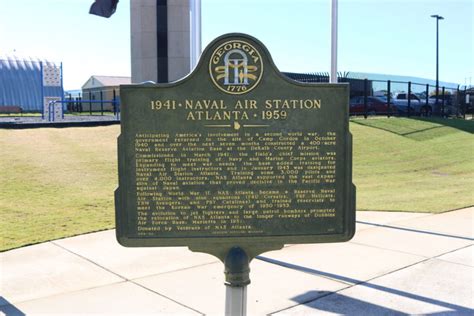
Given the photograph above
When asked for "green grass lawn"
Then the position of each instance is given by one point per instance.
(413, 164)
(87, 113)
(59, 182)
(56, 183)
(25, 114)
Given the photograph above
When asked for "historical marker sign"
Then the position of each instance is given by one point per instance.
(234, 154)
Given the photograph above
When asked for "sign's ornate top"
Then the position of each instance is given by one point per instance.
(236, 67)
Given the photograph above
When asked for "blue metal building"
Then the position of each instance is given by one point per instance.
(25, 83)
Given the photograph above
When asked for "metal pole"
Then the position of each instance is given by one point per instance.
(458, 102)
(442, 104)
(409, 98)
(427, 106)
(235, 301)
(42, 91)
(466, 100)
(90, 104)
(114, 102)
(62, 90)
(366, 88)
(333, 77)
(437, 17)
(389, 107)
(237, 277)
(51, 112)
(101, 103)
(437, 60)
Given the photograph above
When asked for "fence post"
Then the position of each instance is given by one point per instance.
(366, 88)
(427, 99)
(114, 102)
(389, 107)
(458, 101)
(101, 103)
(465, 102)
(90, 104)
(409, 98)
(70, 104)
(442, 103)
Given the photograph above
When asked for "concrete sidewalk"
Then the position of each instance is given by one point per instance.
(398, 263)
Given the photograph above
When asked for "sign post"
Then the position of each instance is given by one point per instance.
(237, 277)
(234, 160)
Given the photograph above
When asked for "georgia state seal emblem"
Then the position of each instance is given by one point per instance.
(236, 67)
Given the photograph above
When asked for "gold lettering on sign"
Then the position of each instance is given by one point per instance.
(241, 110)
(292, 104)
(205, 105)
(217, 116)
(173, 169)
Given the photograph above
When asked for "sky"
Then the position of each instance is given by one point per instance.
(375, 36)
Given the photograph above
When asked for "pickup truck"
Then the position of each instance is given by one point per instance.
(417, 106)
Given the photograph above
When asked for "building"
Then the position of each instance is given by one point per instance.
(27, 85)
(102, 88)
(165, 39)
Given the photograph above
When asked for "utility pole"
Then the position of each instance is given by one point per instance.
(437, 17)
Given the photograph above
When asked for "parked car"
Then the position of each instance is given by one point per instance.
(382, 97)
(375, 106)
(417, 106)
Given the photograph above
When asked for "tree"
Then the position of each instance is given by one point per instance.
(440, 92)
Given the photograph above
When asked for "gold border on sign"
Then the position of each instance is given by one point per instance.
(217, 84)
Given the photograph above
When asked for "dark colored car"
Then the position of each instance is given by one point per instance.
(374, 106)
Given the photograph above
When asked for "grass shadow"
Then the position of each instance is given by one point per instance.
(418, 128)
(460, 124)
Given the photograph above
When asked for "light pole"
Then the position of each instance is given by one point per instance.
(437, 17)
